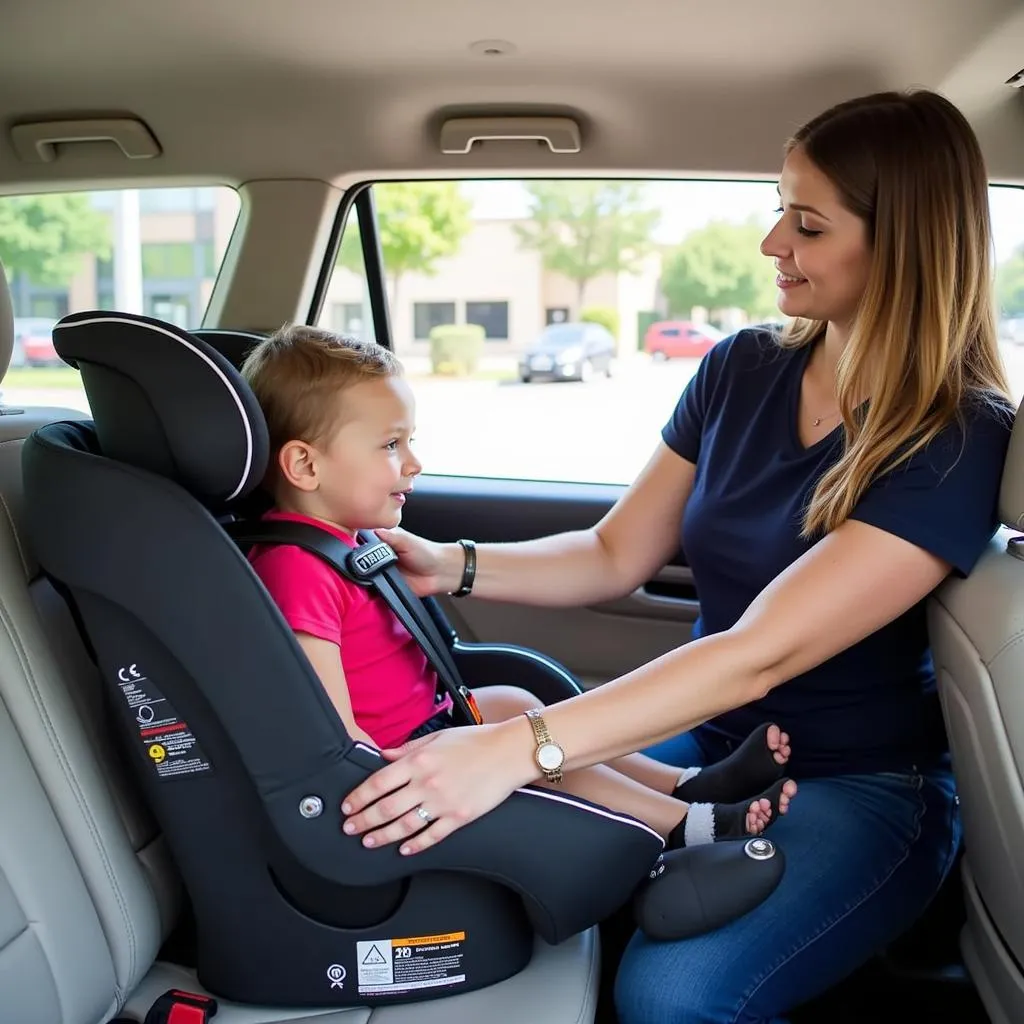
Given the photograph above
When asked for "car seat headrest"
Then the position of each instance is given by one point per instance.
(234, 346)
(6, 324)
(165, 401)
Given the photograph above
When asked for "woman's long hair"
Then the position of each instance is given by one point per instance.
(924, 336)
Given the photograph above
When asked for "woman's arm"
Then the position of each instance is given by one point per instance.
(850, 584)
(625, 549)
(855, 581)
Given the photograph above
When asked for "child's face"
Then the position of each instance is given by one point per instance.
(365, 468)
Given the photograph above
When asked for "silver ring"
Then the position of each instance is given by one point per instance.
(424, 814)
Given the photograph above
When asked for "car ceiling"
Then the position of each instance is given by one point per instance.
(329, 89)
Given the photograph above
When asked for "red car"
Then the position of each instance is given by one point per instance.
(680, 339)
(33, 342)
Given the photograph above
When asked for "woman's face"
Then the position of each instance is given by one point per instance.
(820, 249)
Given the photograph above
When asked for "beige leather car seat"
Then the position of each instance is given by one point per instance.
(977, 633)
(87, 891)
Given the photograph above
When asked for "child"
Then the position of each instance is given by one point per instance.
(341, 421)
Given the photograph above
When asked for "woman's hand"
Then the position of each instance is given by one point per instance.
(452, 777)
(429, 567)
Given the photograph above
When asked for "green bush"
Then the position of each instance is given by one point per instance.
(607, 317)
(455, 349)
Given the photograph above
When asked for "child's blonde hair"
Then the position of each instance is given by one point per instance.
(296, 375)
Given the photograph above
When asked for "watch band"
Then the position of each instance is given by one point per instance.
(539, 726)
(468, 569)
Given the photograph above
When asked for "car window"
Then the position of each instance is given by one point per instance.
(561, 336)
(512, 265)
(152, 251)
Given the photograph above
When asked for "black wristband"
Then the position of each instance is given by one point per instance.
(468, 570)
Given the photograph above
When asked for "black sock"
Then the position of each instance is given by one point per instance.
(748, 769)
(711, 823)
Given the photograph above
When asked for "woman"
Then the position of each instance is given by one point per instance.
(823, 484)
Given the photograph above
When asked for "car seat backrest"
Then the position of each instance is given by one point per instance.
(248, 795)
(87, 890)
(976, 627)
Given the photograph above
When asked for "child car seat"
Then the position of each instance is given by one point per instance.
(237, 747)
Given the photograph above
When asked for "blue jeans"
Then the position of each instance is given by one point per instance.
(865, 854)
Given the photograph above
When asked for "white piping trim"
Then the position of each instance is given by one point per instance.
(521, 652)
(599, 811)
(370, 750)
(209, 362)
(228, 330)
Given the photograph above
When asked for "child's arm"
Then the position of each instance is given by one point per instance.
(325, 658)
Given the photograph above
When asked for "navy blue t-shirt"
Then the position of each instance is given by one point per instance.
(873, 707)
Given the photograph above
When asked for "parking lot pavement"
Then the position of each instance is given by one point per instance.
(600, 432)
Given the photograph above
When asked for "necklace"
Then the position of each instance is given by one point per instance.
(817, 422)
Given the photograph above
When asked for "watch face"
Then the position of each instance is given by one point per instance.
(550, 756)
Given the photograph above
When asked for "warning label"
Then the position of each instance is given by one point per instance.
(403, 965)
(168, 742)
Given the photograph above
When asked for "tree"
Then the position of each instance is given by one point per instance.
(44, 236)
(1010, 285)
(586, 228)
(719, 266)
(418, 223)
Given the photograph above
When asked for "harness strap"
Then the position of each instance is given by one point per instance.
(373, 564)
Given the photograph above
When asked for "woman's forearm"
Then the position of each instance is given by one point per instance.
(666, 697)
(565, 570)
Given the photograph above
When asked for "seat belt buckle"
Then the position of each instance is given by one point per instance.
(178, 1007)
(369, 559)
(474, 708)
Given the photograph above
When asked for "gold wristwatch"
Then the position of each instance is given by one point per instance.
(549, 755)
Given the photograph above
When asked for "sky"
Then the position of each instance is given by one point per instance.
(686, 205)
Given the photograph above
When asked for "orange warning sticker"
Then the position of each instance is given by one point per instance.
(430, 940)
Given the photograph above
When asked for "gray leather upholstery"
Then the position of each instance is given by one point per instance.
(87, 890)
(977, 628)
(1011, 495)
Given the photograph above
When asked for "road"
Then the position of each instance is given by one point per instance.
(601, 432)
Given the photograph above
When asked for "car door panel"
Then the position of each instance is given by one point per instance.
(596, 643)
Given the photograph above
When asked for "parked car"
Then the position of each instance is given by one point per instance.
(33, 342)
(572, 351)
(680, 339)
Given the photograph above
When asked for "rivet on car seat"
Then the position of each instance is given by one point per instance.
(760, 849)
(311, 807)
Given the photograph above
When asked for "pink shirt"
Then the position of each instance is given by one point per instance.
(390, 682)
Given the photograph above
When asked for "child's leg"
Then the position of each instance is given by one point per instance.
(754, 765)
(662, 812)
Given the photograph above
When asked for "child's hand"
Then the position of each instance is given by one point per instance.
(429, 567)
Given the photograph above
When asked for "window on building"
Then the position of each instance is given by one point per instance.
(517, 256)
(50, 306)
(168, 260)
(78, 251)
(428, 315)
(351, 318)
(174, 309)
(491, 316)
